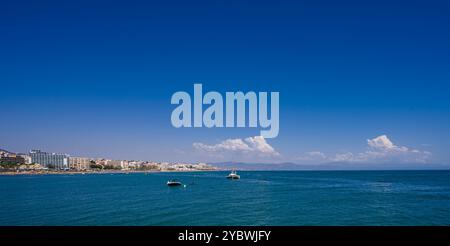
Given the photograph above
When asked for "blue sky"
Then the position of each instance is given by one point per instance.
(95, 78)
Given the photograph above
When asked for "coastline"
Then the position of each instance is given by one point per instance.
(12, 173)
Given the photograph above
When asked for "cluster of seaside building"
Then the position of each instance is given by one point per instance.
(39, 160)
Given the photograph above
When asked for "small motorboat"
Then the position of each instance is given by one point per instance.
(173, 183)
(233, 175)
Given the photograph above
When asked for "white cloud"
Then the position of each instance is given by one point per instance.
(227, 145)
(249, 148)
(259, 144)
(381, 142)
(343, 157)
(312, 156)
(380, 149)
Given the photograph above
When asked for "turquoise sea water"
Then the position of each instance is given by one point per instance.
(259, 198)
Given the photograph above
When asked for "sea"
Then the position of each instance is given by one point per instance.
(360, 198)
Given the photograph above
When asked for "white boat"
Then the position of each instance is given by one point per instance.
(233, 175)
(173, 183)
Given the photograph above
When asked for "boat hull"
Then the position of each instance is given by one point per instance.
(233, 177)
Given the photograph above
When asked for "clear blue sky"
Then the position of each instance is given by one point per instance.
(94, 78)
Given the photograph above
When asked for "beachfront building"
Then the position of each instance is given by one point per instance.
(57, 161)
(79, 163)
(4, 153)
(112, 164)
(204, 166)
(135, 164)
(26, 157)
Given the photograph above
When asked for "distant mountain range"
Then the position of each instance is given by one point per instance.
(328, 166)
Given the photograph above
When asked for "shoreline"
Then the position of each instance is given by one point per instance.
(12, 173)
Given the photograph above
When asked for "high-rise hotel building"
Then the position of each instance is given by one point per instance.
(58, 161)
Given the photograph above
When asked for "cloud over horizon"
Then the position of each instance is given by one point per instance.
(240, 149)
(256, 149)
(380, 149)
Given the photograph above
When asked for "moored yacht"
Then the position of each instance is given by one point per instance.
(233, 175)
(173, 182)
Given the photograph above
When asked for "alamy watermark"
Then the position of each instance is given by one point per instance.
(213, 116)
